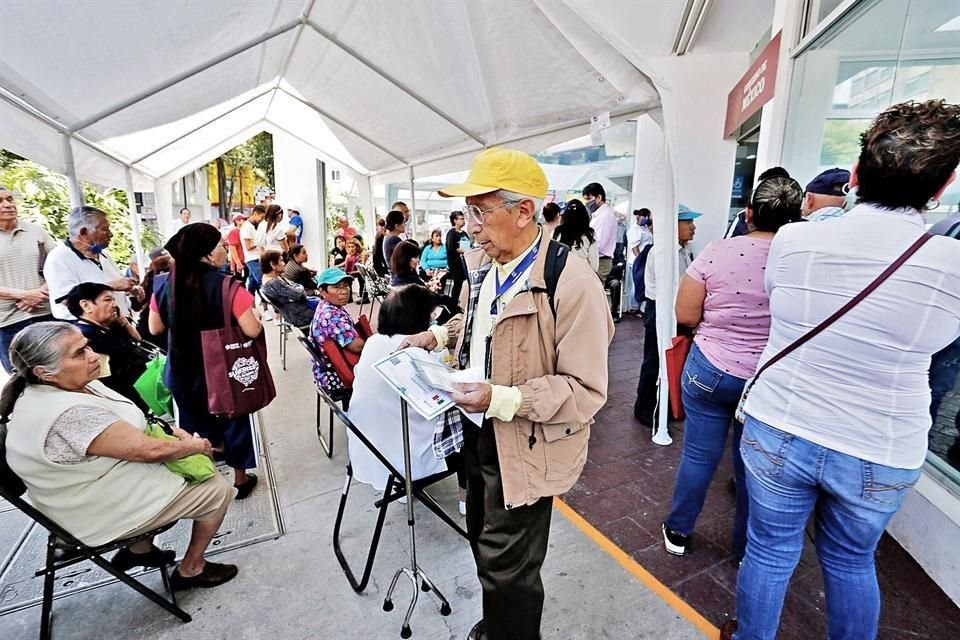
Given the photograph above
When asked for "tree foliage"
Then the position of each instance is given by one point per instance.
(42, 197)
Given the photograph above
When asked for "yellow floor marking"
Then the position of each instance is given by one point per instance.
(676, 602)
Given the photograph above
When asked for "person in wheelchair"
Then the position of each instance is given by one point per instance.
(80, 449)
(124, 355)
(290, 298)
(375, 407)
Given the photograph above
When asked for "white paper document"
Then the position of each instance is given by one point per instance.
(425, 383)
(402, 369)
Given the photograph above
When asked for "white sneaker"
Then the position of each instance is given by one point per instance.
(267, 316)
(462, 508)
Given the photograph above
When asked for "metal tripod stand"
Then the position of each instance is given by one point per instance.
(418, 579)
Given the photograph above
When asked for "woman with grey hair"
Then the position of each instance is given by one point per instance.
(81, 451)
(838, 414)
(722, 296)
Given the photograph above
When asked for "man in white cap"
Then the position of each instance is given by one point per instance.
(537, 329)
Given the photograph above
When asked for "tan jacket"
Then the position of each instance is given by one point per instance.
(560, 367)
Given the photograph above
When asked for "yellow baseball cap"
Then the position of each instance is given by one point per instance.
(498, 168)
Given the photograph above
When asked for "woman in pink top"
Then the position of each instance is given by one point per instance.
(722, 295)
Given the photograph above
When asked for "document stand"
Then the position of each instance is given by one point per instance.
(418, 579)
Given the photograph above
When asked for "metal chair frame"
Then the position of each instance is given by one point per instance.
(399, 485)
(343, 397)
(377, 287)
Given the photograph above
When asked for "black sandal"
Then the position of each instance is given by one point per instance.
(213, 575)
(245, 489)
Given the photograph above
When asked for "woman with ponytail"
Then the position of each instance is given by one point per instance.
(82, 452)
(188, 301)
(722, 296)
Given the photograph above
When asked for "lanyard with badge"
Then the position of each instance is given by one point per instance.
(500, 290)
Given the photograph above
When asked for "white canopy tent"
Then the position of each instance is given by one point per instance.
(137, 93)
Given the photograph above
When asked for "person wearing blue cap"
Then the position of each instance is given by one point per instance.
(331, 321)
(825, 196)
(646, 402)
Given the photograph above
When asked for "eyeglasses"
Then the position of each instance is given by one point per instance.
(474, 215)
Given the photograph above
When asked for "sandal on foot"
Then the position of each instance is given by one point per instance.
(156, 557)
(245, 489)
(213, 575)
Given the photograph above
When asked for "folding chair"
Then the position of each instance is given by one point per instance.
(377, 286)
(284, 326)
(342, 396)
(394, 490)
(63, 550)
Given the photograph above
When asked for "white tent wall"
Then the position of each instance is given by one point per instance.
(685, 159)
(295, 166)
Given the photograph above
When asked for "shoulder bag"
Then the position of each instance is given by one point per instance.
(235, 366)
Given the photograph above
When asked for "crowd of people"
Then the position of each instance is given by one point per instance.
(804, 356)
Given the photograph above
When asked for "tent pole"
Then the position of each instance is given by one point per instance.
(413, 209)
(70, 170)
(134, 220)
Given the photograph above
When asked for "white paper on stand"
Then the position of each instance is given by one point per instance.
(400, 370)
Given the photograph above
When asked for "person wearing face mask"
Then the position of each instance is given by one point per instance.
(603, 221)
(82, 258)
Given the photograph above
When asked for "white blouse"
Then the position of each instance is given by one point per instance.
(375, 410)
(861, 387)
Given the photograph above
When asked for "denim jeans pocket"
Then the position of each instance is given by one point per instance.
(700, 379)
(886, 486)
(764, 449)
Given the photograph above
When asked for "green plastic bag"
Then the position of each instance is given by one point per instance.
(151, 388)
(195, 468)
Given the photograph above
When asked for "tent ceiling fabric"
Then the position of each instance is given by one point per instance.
(377, 85)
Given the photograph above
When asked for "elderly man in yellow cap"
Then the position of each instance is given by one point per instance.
(537, 328)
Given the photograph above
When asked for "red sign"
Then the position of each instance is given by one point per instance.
(754, 89)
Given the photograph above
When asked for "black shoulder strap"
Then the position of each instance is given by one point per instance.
(954, 231)
(556, 260)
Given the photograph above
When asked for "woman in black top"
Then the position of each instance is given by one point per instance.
(395, 226)
(111, 335)
(338, 255)
(188, 301)
(405, 265)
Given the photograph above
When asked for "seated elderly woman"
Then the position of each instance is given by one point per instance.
(81, 450)
(290, 298)
(112, 336)
(375, 407)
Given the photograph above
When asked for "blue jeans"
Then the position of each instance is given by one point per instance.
(7, 334)
(254, 277)
(710, 399)
(789, 477)
(944, 368)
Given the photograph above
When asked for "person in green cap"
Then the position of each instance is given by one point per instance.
(331, 321)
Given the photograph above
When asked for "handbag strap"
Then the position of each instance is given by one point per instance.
(228, 291)
(842, 311)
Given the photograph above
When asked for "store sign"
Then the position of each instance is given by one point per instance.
(755, 88)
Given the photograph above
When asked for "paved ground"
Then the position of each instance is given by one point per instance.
(625, 492)
(293, 588)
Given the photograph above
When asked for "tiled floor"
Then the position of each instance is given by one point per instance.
(625, 492)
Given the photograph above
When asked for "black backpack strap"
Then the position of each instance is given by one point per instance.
(556, 260)
(954, 231)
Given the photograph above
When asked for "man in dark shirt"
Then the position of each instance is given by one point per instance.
(454, 243)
